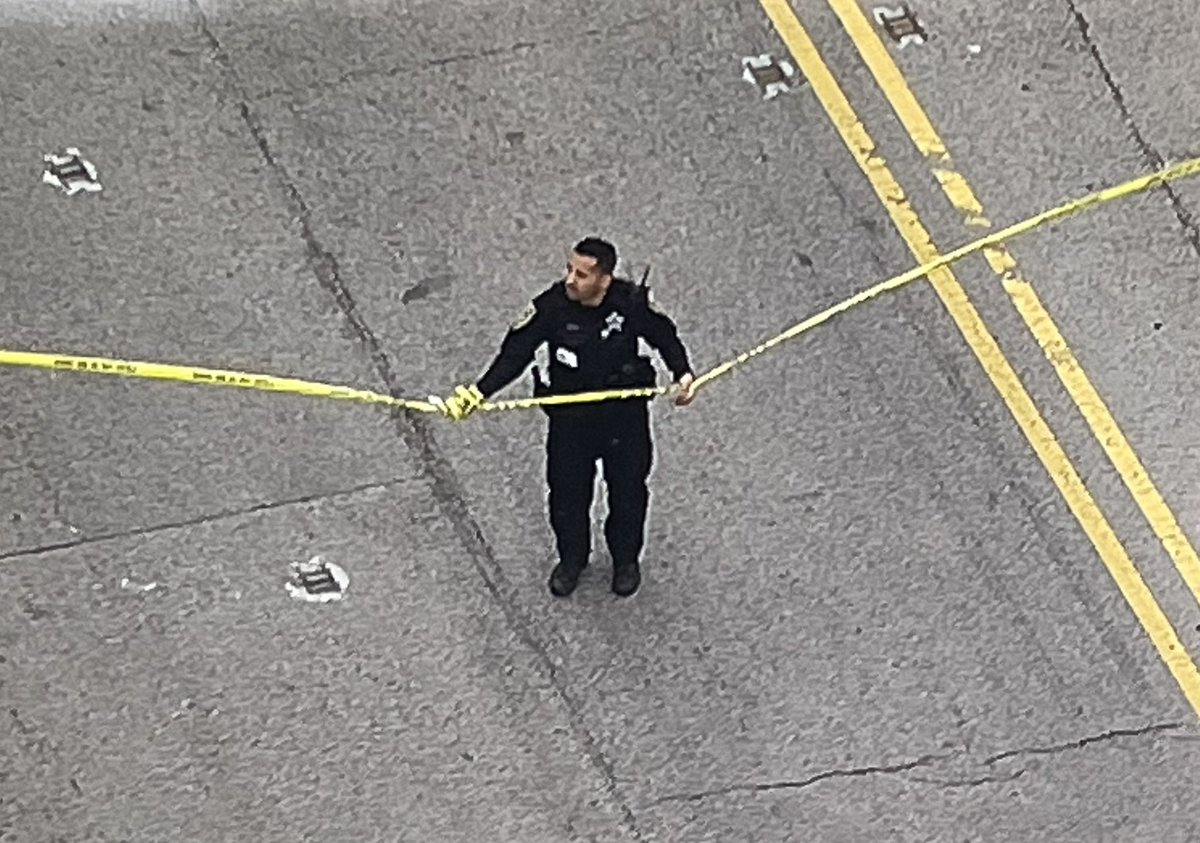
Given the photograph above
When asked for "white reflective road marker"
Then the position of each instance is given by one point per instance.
(70, 172)
(315, 581)
(900, 24)
(769, 75)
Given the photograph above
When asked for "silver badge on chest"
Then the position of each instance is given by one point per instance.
(611, 324)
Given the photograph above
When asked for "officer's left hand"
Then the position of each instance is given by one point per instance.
(687, 392)
(464, 401)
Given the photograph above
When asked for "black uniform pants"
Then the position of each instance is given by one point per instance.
(618, 434)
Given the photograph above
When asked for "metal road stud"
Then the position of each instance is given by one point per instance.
(900, 24)
(70, 172)
(770, 75)
(317, 581)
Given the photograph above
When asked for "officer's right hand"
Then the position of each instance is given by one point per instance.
(464, 401)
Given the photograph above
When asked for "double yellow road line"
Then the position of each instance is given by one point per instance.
(918, 126)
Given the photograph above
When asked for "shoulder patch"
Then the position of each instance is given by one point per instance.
(525, 317)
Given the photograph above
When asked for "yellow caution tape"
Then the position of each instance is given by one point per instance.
(271, 383)
(1187, 168)
(213, 377)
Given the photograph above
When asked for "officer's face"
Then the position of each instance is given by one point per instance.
(585, 282)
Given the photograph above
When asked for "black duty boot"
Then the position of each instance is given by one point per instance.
(564, 578)
(626, 579)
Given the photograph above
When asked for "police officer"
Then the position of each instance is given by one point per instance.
(591, 322)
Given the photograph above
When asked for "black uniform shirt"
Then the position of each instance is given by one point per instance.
(591, 348)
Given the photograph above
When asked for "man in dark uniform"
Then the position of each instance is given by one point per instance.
(591, 322)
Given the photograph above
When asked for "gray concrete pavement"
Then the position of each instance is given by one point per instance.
(866, 613)
(213, 707)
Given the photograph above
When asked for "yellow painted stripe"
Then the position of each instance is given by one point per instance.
(1086, 397)
(987, 351)
(956, 187)
(1119, 451)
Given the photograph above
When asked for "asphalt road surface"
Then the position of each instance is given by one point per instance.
(909, 576)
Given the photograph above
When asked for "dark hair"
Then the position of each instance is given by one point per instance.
(603, 251)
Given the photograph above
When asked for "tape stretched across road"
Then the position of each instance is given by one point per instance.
(271, 383)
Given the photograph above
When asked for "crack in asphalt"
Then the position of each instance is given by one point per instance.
(1058, 749)
(928, 762)
(210, 518)
(416, 433)
(1147, 149)
(513, 50)
(800, 784)
(492, 52)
